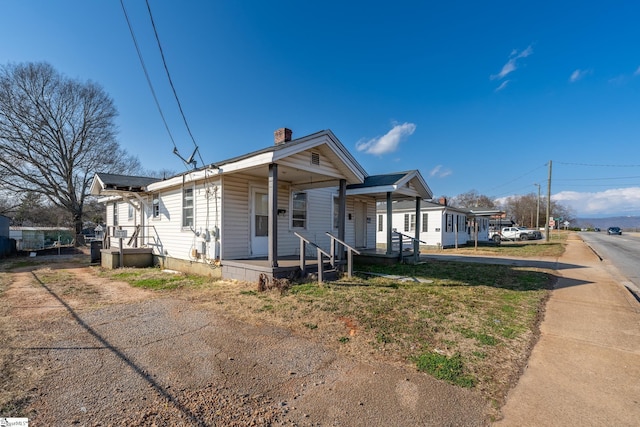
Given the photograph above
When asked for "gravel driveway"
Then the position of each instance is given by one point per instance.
(131, 357)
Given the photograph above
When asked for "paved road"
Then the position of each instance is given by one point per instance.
(622, 252)
(585, 368)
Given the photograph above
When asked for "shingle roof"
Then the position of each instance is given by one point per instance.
(379, 180)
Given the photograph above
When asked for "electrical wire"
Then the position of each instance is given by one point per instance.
(146, 74)
(175, 94)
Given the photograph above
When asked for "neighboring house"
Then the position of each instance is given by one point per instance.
(37, 238)
(439, 225)
(238, 218)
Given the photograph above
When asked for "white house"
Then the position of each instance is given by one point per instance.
(440, 225)
(248, 215)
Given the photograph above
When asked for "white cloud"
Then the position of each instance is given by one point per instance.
(578, 75)
(512, 63)
(612, 202)
(502, 85)
(440, 172)
(388, 142)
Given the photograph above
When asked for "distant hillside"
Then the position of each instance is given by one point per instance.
(624, 222)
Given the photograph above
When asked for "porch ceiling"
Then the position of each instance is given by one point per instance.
(299, 178)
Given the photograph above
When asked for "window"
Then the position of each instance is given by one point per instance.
(336, 213)
(155, 206)
(425, 222)
(130, 212)
(187, 207)
(380, 222)
(115, 214)
(409, 222)
(299, 210)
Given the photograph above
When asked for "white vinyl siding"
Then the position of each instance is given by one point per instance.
(236, 225)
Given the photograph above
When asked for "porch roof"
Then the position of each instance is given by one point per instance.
(107, 183)
(401, 185)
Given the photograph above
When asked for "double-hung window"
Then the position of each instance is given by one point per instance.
(299, 210)
(115, 214)
(409, 222)
(187, 207)
(155, 198)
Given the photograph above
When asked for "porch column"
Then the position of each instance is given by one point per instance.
(416, 244)
(342, 213)
(389, 223)
(273, 215)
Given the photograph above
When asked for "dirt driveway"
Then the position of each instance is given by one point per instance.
(81, 350)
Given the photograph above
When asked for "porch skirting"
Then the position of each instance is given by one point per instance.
(250, 270)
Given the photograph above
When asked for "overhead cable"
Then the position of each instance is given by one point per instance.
(146, 74)
(175, 94)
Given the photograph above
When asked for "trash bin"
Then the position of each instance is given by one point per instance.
(96, 246)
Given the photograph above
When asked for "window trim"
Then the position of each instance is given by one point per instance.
(155, 207)
(185, 225)
(294, 210)
(115, 214)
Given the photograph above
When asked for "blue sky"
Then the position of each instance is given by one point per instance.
(476, 95)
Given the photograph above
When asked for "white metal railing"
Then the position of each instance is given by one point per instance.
(319, 251)
(410, 240)
(136, 236)
(350, 252)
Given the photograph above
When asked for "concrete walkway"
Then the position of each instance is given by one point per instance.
(585, 369)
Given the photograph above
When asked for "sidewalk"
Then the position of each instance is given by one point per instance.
(585, 369)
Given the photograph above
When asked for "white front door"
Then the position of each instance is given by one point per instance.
(360, 224)
(259, 222)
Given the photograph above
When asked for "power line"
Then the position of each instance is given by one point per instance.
(597, 179)
(166, 68)
(146, 74)
(517, 178)
(595, 165)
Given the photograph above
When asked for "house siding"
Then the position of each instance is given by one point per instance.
(436, 233)
(235, 233)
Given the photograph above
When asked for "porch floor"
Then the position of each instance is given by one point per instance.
(250, 269)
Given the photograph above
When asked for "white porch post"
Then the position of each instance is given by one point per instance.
(273, 215)
(416, 244)
(389, 223)
(342, 213)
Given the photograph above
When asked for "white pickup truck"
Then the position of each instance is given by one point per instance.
(514, 233)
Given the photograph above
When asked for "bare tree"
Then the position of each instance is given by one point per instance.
(472, 199)
(55, 133)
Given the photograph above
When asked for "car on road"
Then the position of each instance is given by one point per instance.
(614, 230)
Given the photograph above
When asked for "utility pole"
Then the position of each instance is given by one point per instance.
(546, 226)
(538, 208)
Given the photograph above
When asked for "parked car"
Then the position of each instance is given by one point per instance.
(614, 230)
(514, 233)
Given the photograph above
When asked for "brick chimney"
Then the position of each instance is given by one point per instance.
(282, 135)
(443, 201)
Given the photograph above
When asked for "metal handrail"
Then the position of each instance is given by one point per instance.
(415, 243)
(350, 251)
(319, 252)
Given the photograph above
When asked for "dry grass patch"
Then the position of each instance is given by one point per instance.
(470, 324)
